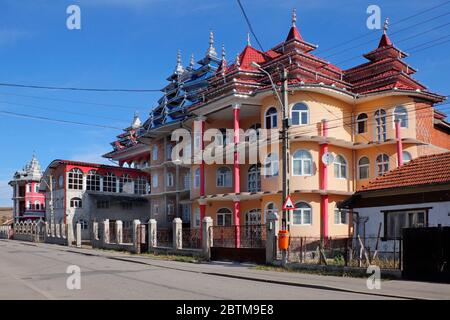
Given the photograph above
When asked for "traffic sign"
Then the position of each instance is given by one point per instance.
(327, 158)
(288, 204)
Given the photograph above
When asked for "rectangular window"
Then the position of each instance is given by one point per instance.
(397, 220)
(186, 213)
(340, 217)
(155, 209)
(155, 181)
(364, 171)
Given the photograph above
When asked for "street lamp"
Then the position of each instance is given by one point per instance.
(284, 131)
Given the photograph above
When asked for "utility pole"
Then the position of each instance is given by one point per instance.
(52, 214)
(285, 144)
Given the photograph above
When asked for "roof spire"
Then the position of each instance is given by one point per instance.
(223, 52)
(136, 121)
(179, 68)
(386, 25)
(192, 62)
(211, 50)
(294, 17)
(238, 61)
(248, 39)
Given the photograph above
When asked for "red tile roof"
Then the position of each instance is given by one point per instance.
(425, 170)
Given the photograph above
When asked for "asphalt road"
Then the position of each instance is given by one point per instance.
(30, 271)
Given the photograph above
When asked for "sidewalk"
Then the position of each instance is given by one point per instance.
(389, 288)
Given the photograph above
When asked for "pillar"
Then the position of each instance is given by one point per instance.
(271, 237)
(177, 228)
(207, 223)
(200, 129)
(324, 183)
(237, 181)
(398, 137)
(105, 235)
(119, 231)
(152, 233)
(78, 239)
(136, 239)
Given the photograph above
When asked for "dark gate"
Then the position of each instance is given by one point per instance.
(252, 247)
(426, 254)
(142, 237)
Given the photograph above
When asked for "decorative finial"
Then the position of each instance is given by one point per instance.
(248, 39)
(294, 17)
(238, 62)
(386, 25)
(211, 50)
(179, 68)
(223, 52)
(192, 62)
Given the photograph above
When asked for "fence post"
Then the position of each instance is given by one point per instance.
(152, 232)
(136, 239)
(271, 237)
(177, 226)
(105, 235)
(95, 231)
(119, 232)
(207, 235)
(78, 241)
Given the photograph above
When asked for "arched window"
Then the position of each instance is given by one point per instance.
(29, 205)
(271, 208)
(382, 164)
(93, 181)
(223, 177)
(75, 179)
(340, 167)
(252, 134)
(302, 163)
(361, 123)
(300, 114)
(125, 183)
(169, 151)
(401, 114)
(380, 125)
(271, 165)
(271, 118)
(302, 213)
(224, 217)
(169, 179)
(406, 157)
(110, 182)
(197, 178)
(363, 168)
(222, 137)
(37, 205)
(76, 203)
(254, 178)
(155, 152)
(140, 185)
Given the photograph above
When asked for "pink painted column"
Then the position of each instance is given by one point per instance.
(324, 183)
(237, 182)
(201, 121)
(398, 137)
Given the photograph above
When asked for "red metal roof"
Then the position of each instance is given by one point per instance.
(425, 170)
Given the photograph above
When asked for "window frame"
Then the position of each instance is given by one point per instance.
(224, 177)
(302, 163)
(272, 118)
(272, 165)
(300, 114)
(383, 162)
(110, 182)
(380, 116)
(340, 165)
(362, 121)
(363, 165)
(75, 179)
(221, 212)
(76, 203)
(402, 116)
(254, 178)
(302, 213)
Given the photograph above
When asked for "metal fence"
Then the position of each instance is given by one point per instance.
(250, 236)
(191, 238)
(356, 252)
(164, 238)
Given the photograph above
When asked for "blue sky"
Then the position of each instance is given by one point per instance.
(133, 44)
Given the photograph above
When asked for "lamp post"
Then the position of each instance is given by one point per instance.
(283, 100)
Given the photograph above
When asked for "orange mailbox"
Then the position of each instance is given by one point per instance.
(283, 239)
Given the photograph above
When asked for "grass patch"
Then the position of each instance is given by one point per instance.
(174, 257)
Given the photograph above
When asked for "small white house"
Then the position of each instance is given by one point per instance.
(416, 194)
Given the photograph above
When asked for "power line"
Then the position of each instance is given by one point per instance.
(392, 24)
(18, 85)
(70, 101)
(249, 24)
(29, 116)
